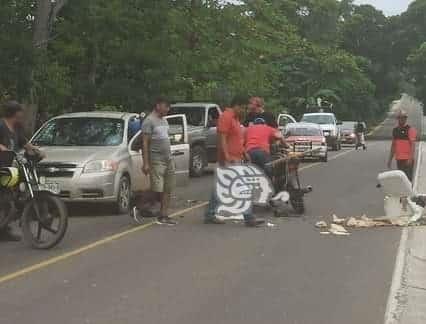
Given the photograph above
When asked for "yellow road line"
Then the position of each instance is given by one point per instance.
(88, 247)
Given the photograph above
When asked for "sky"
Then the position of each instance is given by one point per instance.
(389, 7)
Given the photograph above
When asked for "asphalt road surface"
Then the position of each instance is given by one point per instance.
(196, 273)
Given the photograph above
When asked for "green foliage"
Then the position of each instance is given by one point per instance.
(120, 55)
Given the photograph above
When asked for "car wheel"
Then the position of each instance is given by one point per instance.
(324, 158)
(198, 161)
(124, 195)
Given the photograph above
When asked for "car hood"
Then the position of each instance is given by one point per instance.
(77, 155)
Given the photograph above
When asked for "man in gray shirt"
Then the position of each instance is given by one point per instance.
(157, 157)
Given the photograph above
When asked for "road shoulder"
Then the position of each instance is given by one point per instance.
(408, 293)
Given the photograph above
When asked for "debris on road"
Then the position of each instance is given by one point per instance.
(321, 224)
(270, 225)
(339, 230)
(338, 221)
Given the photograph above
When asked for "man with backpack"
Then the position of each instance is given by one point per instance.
(403, 145)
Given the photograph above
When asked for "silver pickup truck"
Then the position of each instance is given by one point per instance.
(202, 135)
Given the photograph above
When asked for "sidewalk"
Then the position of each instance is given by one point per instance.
(407, 300)
(414, 278)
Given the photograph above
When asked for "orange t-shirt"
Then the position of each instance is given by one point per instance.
(403, 138)
(229, 125)
(259, 136)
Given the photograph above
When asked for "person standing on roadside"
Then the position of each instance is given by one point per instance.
(256, 109)
(403, 145)
(157, 157)
(230, 150)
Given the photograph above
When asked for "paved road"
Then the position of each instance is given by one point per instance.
(196, 273)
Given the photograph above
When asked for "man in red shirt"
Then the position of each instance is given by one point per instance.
(403, 145)
(230, 150)
(259, 137)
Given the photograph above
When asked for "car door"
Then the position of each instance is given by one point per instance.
(283, 120)
(140, 181)
(178, 134)
(212, 116)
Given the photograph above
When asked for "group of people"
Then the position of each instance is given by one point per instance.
(235, 145)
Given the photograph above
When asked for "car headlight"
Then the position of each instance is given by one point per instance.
(100, 166)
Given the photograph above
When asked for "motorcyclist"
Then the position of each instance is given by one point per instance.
(258, 138)
(12, 138)
(359, 132)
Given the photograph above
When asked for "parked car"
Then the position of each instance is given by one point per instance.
(329, 125)
(283, 120)
(202, 133)
(307, 136)
(348, 132)
(95, 157)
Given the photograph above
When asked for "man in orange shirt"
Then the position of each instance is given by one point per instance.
(259, 137)
(403, 145)
(230, 150)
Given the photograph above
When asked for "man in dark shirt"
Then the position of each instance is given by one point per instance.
(257, 110)
(12, 138)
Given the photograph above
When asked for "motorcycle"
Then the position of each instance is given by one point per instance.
(284, 173)
(29, 199)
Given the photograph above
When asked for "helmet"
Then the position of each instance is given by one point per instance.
(259, 121)
(9, 177)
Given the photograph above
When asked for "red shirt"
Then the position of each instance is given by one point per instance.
(229, 125)
(259, 136)
(403, 139)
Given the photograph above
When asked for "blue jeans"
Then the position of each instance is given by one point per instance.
(214, 204)
(260, 158)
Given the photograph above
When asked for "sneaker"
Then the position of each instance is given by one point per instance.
(255, 222)
(166, 220)
(214, 220)
(6, 235)
(136, 215)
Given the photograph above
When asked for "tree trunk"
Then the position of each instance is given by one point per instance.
(45, 15)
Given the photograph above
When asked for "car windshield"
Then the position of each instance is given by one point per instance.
(81, 132)
(195, 116)
(303, 131)
(318, 119)
(348, 126)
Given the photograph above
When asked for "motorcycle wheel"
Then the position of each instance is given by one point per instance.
(47, 227)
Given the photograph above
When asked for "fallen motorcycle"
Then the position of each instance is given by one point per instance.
(284, 174)
(28, 198)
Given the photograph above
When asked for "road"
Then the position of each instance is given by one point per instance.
(195, 273)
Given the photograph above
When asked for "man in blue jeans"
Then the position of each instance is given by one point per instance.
(230, 150)
(258, 139)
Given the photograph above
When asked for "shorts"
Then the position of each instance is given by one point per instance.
(162, 176)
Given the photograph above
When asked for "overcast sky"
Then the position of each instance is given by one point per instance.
(389, 7)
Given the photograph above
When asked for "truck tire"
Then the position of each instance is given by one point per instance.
(197, 161)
